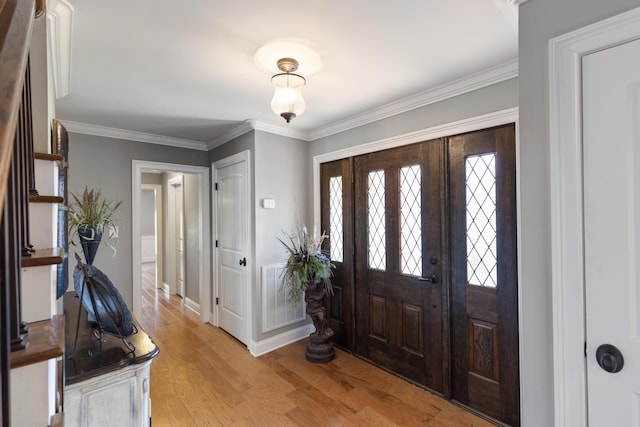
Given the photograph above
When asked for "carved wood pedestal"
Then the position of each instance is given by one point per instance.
(320, 347)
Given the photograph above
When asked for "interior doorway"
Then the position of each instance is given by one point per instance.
(200, 224)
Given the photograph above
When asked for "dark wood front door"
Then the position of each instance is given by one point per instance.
(431, 281)
(398, 242)
(484, 272)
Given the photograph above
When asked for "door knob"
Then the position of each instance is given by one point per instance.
(431, 279)
(243, 261)
(609, 358)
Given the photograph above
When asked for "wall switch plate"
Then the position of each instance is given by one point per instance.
(268, 203)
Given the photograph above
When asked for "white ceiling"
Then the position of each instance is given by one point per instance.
(186, 69)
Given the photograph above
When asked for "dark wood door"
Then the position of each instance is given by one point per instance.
(484, 272)
(398, 244)
(336, 195)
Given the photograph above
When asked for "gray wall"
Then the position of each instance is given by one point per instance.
(151, 178)
(280, 174)
(148, 213)
(105, 163)
(540, 21)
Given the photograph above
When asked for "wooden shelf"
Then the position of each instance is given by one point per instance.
(40, 257)
(47, 156)
(45, 341)
(36, 198)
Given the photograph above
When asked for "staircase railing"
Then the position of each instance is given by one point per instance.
(16, 176)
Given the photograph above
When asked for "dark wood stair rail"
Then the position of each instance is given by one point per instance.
(16, 177)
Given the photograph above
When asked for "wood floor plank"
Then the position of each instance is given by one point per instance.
(204, 377)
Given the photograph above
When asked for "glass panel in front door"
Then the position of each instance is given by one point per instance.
(480, 183)
(336, 249)
(376, 241)
(411, 220)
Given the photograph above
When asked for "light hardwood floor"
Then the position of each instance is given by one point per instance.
(204, 377)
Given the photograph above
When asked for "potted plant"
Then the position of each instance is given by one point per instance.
(308, 271)
(89, 215)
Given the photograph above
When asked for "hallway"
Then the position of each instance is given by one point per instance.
(204, 377)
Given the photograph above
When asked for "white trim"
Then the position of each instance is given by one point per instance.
(467, 125)
(565, 142)
(59, 36)
(258, 348)
(491, 76)
(139, 166)
(129, 135)
(172, 247)
(243, 156)
(192, 305)
(488, 77)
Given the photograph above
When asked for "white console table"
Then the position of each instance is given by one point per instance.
(105, 384)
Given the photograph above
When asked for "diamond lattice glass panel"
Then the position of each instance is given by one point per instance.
(410, 220)
(376, 215)
(335, 218)
(481, 220)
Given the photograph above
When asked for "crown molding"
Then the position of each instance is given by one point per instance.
(514, 2)
(59, 28)
(493, 75)
(250, 125)
(128, 135)
(236, 131)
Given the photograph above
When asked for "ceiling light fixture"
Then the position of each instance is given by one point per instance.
(287, 100)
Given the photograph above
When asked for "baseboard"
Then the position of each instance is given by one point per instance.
(166, 288)
(267, 345)
(192, 305)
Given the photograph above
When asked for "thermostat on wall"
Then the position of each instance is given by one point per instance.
(268, 203)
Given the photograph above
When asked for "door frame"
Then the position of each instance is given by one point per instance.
(567, 264)
(204, 272)
(174, 183)
(215, 166)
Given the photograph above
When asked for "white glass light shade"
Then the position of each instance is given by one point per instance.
(287, 100)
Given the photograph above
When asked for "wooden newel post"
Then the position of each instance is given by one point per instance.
(320, 348)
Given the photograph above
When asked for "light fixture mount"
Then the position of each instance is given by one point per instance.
(287, 65)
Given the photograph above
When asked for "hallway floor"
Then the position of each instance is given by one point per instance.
(204, 377)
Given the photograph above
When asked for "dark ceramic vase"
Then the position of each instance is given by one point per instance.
(90, 241)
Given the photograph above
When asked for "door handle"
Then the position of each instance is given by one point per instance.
(609, 358)
(431, 279)
(243, 261)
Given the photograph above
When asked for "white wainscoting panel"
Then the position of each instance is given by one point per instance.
(148, 248)
(276, 310)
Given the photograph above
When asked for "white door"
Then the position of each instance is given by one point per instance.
(179, 206)
(611, 156)
(232, 249)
